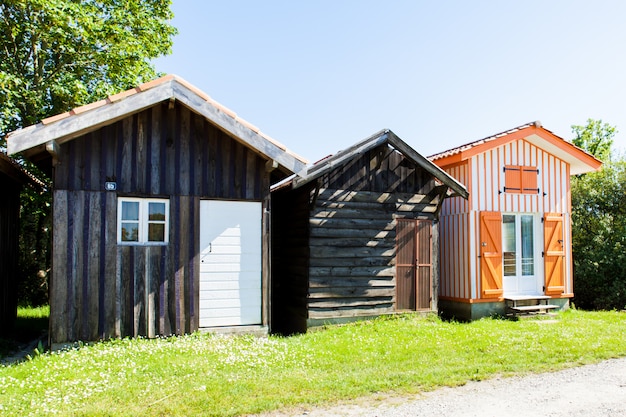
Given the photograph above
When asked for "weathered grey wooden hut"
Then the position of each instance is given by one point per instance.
(159, 220)
(12, 179)
(355, 235)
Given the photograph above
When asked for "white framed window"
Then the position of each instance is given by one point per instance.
(142, 221)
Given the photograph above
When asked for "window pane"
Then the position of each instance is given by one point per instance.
(156, 211)
(156, 232)
(130, 232)
(130, 210)
(508, 245)
(528, 254)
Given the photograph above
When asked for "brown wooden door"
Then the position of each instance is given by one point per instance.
(554, 254)
(413, 264)
(491, 254)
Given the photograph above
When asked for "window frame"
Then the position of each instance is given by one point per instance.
(143, 221)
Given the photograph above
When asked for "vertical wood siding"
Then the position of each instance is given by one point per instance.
(484, 176)
(100, 289)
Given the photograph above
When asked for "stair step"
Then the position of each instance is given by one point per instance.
(534, 307)
(526, 297)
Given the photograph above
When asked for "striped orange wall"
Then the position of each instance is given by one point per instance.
(483, 175)
(487, 181)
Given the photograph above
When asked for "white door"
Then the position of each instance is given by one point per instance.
(230, 263)
(521, 251)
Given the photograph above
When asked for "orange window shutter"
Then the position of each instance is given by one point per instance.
(491, 254)
(554, 254)
(529, 176)
(512, 179)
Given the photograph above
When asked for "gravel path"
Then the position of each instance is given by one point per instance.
(592, 390)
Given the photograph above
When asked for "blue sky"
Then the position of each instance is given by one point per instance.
(321, 75)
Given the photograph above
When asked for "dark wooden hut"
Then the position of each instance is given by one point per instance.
(12, 179)
(355, 235)
(159, 223)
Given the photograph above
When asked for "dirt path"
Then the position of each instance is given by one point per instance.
(591, 390)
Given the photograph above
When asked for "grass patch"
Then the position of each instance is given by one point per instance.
(211, 375)
(31, 323)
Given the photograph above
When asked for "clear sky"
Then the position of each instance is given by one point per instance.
(320, 75)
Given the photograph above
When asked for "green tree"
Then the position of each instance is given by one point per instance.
(59, 54)
(595, 137)
(599, 223)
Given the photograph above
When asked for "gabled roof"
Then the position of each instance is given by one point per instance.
(380, 138)
(580, 161)
(79, 121)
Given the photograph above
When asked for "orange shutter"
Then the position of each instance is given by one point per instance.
(529, 180)
(520, 179)
(554, 254)
(491, 254)
(512, 179)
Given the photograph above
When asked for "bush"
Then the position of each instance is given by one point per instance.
(599, 238)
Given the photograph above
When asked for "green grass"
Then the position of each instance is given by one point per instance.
(213, 375)
(31, 323)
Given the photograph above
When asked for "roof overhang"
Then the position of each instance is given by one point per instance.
(32, 141)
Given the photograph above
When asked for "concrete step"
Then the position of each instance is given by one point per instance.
(536, 307)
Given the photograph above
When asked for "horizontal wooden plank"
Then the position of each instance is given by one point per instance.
(349, 292)
(357, 213)
(390, 207)
(369, 197)
(354, 252)
(354, 233)
(357, 302)
(349, 312)
(352, 271)
(345, 242)
(353, 224)
(350, 261)
(352, 214)
(362, 282)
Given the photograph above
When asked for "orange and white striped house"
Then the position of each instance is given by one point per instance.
(511, 239)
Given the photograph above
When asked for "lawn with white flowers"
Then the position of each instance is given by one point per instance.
(203, 374)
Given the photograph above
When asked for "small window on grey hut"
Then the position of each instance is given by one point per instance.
(142, 221)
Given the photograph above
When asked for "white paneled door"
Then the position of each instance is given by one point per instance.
(230, 263)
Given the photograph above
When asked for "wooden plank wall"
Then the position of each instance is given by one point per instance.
(353, 232)
(100, 289)
(9, 243)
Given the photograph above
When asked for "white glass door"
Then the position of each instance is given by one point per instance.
(521, 254)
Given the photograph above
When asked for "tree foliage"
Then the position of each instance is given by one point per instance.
(595, 137)
(59, 54)
(599, 223)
